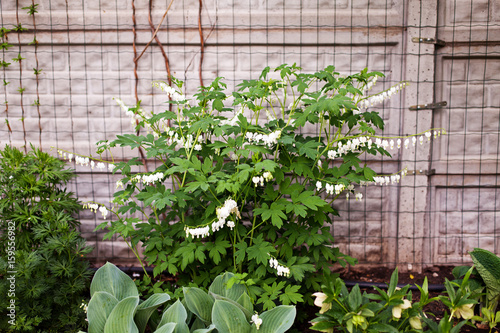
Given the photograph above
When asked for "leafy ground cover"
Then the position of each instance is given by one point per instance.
(435, 275)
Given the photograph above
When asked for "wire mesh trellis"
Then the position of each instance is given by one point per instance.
(61, 74)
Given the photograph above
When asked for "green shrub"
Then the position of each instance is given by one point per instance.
(43, 273)
(253, 192)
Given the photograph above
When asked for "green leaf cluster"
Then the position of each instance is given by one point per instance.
(115, 307)
(41, 243)
(269, 168)
(482, 283)
(391, 310)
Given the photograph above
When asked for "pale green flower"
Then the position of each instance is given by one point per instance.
(416, 323)
(396, 310)
(466, 311)
(319, 301)
(358, 320)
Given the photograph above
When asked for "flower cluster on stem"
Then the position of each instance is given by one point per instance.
(170, 91)
(267, 139)
(147, 179)
(230, 207)
(266, 176)
(85, 161)
(354, 145)
(94, 207)
(256, 320)
(282, 270)
(381, 97)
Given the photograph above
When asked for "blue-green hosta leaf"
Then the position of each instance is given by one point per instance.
(121, 319)
(205, 330)
(248, 313)
(228, 318)
(110, 279)
(146, 308)
(100, 306)
(219, 287)
(199, 303)
(277, 320)
(167, 328)
(245, 301)
(197, 323)
(176, 313)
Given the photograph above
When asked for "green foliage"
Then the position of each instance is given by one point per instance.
(445, 325)
(3, 32)
(393, 310)
(385, 311)
(40, 242)
(484, 285)
(115, 307)
(488, 266)
(5, 46)
(32, 9)
(18, 58)
(459, 298)
(19, 28)
(251, 193)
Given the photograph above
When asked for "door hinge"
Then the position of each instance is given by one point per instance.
(421, 172)
(429, 106)
(427, 40)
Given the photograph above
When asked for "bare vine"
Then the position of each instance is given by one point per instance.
(202, 42)
(156, 31)
(19, 59)
(37, 71)
(164, 54)
(136, 76)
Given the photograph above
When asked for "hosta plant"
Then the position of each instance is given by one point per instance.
(115, 306)
(251, 192)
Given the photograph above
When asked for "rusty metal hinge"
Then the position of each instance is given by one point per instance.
(421, 172)
(427, 40)
(429, 106)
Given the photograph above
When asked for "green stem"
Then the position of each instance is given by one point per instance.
(254, 219)
(136, 255)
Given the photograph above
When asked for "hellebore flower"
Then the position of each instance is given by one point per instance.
(319, 302)
(415, 323)
(466, 311)
(396, 310)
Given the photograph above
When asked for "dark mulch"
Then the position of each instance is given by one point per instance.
(435, 277)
